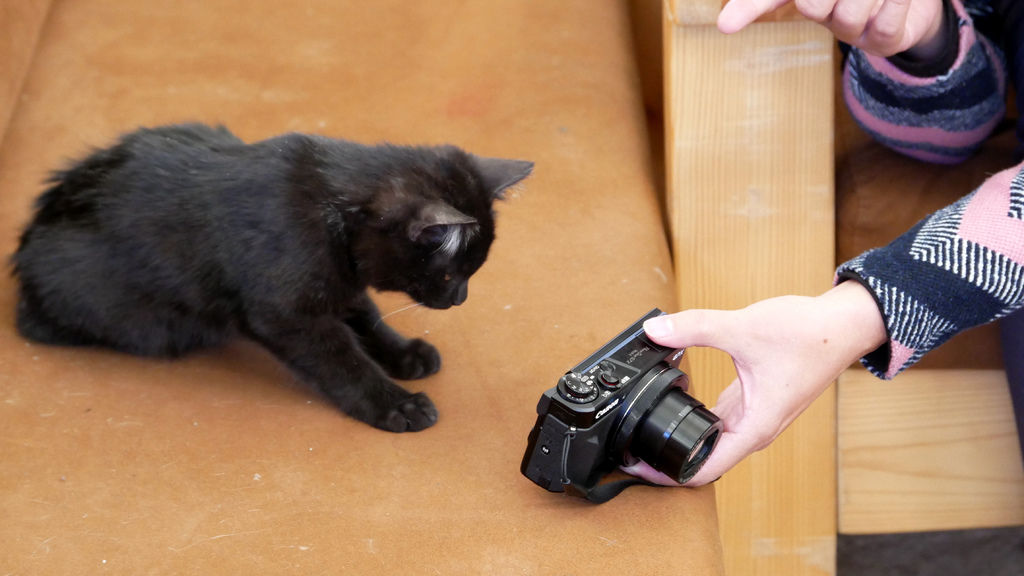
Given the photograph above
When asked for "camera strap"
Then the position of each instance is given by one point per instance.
(602, 492)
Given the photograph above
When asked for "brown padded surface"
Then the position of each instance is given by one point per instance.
(20, 24)
(881, 194)
(221, 463)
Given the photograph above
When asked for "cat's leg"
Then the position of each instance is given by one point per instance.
(324, 351)
(403, 358)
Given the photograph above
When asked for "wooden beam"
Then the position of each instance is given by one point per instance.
(930, 450)
(749, 151)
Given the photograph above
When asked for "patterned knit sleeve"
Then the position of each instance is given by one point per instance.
(939, 116)
(958, 268)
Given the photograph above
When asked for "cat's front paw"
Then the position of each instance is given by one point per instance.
(412, 414)
(418, 359)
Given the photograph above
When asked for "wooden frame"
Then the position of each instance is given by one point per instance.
(931, 450)
(749, 153)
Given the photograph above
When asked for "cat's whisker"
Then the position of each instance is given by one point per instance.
(393, 312)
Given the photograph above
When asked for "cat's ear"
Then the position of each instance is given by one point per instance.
(499, 173)
(438, 222)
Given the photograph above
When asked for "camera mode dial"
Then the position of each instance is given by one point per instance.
(576, 389)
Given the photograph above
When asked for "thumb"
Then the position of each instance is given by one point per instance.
(737, 14)
(691, 328)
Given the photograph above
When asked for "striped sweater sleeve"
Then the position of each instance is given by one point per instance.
(942, 118)
(960, 267)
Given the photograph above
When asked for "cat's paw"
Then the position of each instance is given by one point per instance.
(418, 359)
(411, 414)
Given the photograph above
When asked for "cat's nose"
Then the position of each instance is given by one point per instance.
(460, 293)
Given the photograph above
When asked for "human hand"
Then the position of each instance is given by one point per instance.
(880, 27)
(786, 350)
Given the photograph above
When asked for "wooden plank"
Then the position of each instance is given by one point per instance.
(930, 450)
(750, 177)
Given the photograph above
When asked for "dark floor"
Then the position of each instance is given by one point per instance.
(989, 552)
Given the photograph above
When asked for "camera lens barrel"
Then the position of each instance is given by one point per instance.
(677, 436)
(665, 427)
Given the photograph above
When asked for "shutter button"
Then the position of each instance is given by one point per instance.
(608, 376)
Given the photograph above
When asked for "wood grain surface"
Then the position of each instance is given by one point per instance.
(930, 450)
(749, 149)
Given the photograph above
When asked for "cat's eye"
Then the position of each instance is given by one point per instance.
(447, 277)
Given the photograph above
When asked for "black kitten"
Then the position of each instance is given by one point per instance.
(178, 237)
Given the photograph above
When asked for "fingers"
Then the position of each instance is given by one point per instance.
(889, 28)
(730, 404)
(730, 450)
(733, 444)
(878, 26)
(691, 328)
(817, 10)
(730, 410)
(644, 470)
(732, 447)
(737, 14)
(850, 18)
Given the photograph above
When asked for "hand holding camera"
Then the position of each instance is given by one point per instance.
(786, 350)
(626, 403)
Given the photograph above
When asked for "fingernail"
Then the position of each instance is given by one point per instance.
(659, 327)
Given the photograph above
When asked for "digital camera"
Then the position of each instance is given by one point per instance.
(626, 401)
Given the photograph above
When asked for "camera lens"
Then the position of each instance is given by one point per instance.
(667, 428)
(677, 436)
(700, 452)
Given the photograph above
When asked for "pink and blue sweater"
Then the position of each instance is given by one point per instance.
(963, 265)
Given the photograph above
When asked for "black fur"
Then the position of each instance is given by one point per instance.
(180, 237)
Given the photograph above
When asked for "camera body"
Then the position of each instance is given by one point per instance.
(623, 402)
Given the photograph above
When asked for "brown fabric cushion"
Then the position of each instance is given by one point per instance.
(20, 25)
(220, 462)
